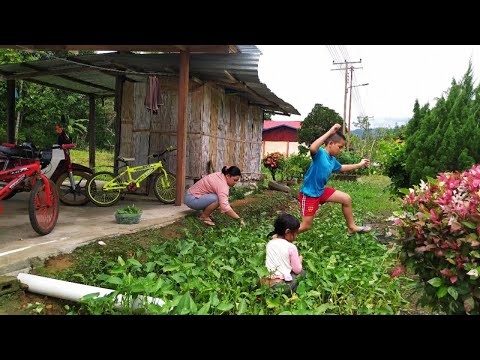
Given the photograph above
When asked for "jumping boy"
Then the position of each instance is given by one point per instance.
(314, 192)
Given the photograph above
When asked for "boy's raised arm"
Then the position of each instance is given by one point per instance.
(317, 143)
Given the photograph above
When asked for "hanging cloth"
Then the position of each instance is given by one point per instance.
(153, 97)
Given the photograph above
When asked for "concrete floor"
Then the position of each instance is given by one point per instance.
(21, 247)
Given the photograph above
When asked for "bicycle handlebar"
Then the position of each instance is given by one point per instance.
(168, 149)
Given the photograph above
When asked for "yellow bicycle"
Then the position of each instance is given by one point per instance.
(105, 188)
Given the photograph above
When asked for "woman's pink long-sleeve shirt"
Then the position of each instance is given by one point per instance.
(214, 183)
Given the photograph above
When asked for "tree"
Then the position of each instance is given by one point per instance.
(446, 137)
(38, 108)
(317, 123)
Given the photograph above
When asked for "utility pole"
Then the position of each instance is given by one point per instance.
(350, 106)
(346, 88)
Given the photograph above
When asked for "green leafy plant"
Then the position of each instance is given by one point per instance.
(129, 209)
(37, 308)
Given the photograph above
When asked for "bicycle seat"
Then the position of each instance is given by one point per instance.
(125, 160)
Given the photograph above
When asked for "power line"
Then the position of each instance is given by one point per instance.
(340, 56)
(346, 86)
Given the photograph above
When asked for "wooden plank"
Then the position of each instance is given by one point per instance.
(212, 49)
(11, 111)
(119, 80)
(127, 148)
(195, 158)
(182, 126)
(91, 131)
(213, 129)
(205, 125)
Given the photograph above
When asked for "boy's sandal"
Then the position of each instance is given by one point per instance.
(207, 221)
(362, 230)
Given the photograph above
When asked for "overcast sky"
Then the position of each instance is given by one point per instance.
(397, 75)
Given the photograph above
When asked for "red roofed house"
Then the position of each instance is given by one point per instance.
(280, 136)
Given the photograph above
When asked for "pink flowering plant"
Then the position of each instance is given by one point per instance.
(273, 162)
(439, 229)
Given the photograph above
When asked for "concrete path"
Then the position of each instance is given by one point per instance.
(21, 246)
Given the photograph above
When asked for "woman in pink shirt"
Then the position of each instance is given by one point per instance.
(211, 192)
(283, 261)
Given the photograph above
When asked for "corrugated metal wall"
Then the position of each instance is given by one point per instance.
(221, 128)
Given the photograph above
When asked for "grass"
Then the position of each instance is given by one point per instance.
(103, 159)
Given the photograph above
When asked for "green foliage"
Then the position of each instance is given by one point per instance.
(129, 209)
(446, 137)
(295, 166)
(238, 192)
(317, 123)
(75, 128)
(394, 165)
(215, 270)
(351, 157)
(38, 108)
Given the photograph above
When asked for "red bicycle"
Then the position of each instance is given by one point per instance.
(43, 203)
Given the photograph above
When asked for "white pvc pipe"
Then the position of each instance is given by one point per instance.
(74, 292)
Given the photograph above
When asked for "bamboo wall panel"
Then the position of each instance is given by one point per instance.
(221, 128)
(127, 118)
(213, 127)
(204, 126)
(196, 164)
(243, 125)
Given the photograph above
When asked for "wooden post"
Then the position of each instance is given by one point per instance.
(11, 111)
(182, 126)
(119, 79)
(91, 132)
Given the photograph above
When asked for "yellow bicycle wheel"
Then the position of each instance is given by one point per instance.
(164, 188)
(96, 192)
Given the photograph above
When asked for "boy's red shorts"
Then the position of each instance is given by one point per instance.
(309, 205)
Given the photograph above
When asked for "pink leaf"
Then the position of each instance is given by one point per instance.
(397, 272)
(447, 272)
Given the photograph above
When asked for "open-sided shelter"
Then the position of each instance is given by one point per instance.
(210, 104)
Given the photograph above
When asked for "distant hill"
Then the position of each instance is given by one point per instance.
(374, 131)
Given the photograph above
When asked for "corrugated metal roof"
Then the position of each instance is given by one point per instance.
(95, 74)
(246, 49)
(273, 124)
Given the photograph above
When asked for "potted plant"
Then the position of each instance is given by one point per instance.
(128, 215)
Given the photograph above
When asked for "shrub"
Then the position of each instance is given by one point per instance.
(350, 157)
(394, 157)
(439, 229)
(272, 162)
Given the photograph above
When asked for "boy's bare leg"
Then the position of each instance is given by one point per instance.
(346, 201)
(307, 222)
(208, 210)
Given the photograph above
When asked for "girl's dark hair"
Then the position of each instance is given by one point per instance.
(285, 221)
(231, 170)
